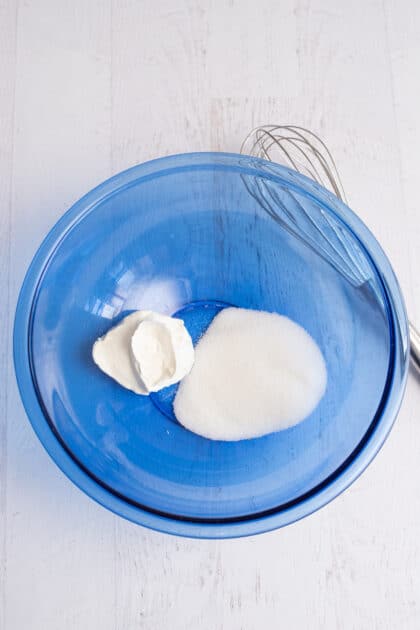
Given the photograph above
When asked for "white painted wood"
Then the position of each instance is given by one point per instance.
(89, 88)
(7, 101)
(59, 556)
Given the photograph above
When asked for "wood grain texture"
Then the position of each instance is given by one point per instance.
(7, 103)
(90, 88)
(61, 147)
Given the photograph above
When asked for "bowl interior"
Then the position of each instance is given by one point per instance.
(189, 241)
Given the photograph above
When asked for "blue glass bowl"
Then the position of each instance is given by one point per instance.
(187, 235)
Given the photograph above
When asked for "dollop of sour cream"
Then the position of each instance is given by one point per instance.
(145, 352)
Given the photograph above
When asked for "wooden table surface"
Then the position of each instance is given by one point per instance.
(88, 88)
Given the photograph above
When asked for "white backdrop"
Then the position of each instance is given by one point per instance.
(88, 88)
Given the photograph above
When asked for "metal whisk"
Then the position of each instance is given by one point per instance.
(305, 152)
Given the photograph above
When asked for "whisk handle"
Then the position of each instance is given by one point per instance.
(415, 346)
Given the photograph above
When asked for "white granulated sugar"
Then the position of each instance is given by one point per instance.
(254, 373)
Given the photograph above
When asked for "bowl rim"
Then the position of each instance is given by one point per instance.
(190, 528)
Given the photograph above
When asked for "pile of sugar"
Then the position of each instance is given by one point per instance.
(254, 373)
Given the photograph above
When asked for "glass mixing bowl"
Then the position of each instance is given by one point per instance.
(188, 235)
